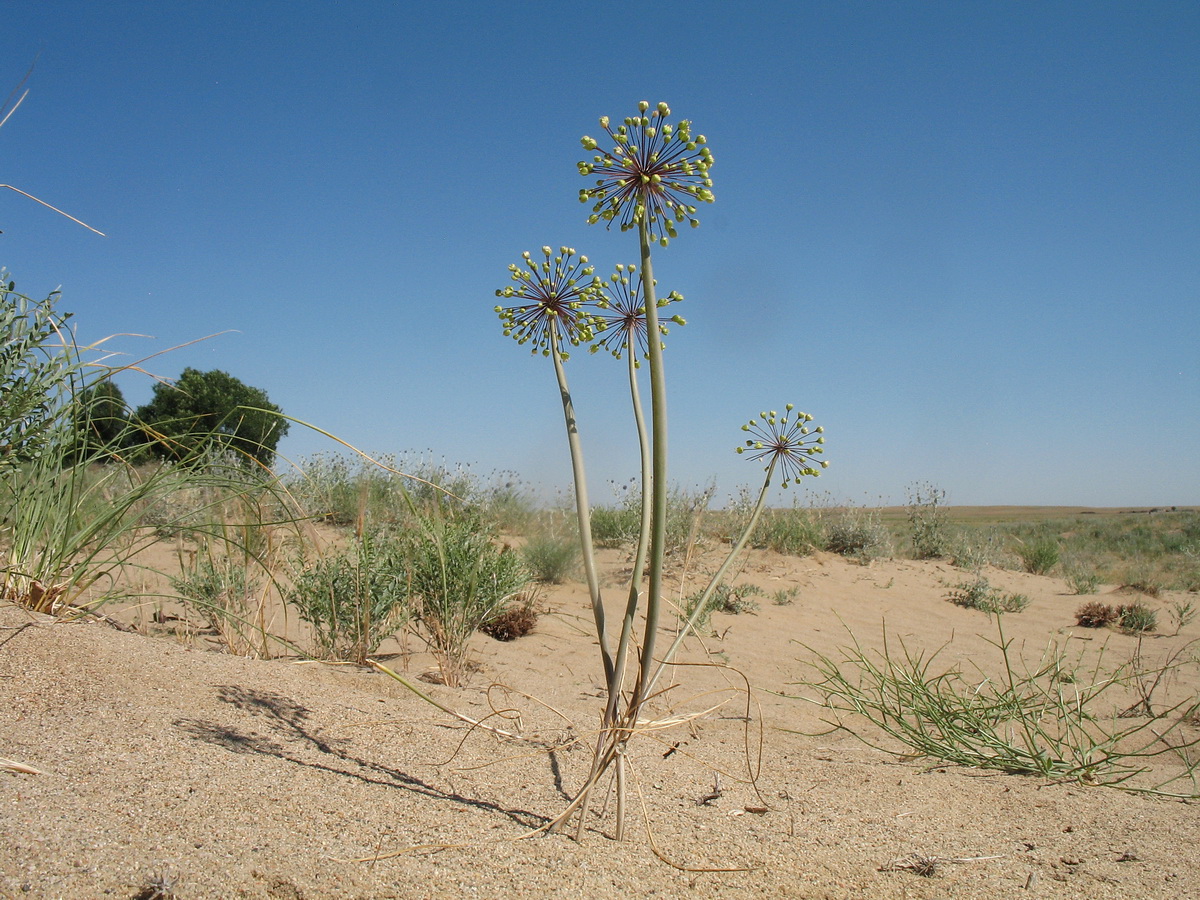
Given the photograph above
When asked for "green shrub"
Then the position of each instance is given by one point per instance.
(1081, 581)
(224, 594)
(354, 598)
(857, 533)
(1040, 556)
(794, 531)
(459, 580)
(927, 522)
(979, 594)
(552, 557)
(727, 598)
(1137, 618)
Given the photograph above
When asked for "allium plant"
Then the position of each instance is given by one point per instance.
(651, 179)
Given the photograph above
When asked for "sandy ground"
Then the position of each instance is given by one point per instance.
(230, 777)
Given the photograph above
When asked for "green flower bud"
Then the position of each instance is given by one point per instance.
(643, 106)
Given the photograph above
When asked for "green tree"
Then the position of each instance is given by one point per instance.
(204, 412)
(103, 422)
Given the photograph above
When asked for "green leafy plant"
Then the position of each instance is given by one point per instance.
(1081, 581)
(550, 555)
(459, 581)
(979, 594)
(727, 598)
(857, 533)
(1053, 721)
(354, 598)
(795, 531)
(227, 596)
(208, 412)
(1137, 618)
(1040, 556)
(930, 531)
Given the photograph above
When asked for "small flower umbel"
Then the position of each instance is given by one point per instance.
(623, 313)
(560, 290)
(655, 172)
(786, 442)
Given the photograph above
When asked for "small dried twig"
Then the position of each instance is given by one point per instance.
(928, 866)
(11, 765)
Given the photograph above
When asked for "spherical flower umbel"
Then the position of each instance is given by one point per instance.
(654, 171)
(559, 291)
(622, 308)
(786, 441)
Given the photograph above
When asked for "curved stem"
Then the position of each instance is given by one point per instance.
(582, 509)
(715, 582)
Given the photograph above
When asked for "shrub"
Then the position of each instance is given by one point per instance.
(1095, 615)
(979, 594)
(1083, 582)
(927, 522)
(1137, 618)
(1040, 556)
(355, 598)
(859, 534)
(514, 621)
(1183, 613)
(222, 592)
(459, 580)
(794, 531)
(551, 558)
(727, 598)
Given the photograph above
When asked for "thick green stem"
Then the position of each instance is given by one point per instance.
(658, 479)
(706, 598)
(583, 510)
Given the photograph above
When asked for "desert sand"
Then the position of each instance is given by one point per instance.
(156, 768)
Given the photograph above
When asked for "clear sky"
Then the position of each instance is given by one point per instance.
(964, 236)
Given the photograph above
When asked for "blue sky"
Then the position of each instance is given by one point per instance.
(965, 237)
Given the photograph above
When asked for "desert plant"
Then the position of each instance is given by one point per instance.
(1082, 581)
(552, 552)
(353, 598)
(795, 531)
(857, 533)
(1052, 721)
(648, 179)
(225, 593)
(1136, 618)
(727, 598)
(515, 620)
(459, 581)
(927, 521)
(1040, 556)
(785, 596)
(1095, 614)
(979, 594)
(1183, 613)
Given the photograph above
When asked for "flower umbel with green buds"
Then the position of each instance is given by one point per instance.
(786, 442)
(655, 172)
(623, 311)
(560, 291)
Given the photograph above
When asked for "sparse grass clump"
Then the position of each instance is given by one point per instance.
(1081, 581)
(979, 594)
(727, 598)
(552, 552)
(1055, 720)
(1136, 618)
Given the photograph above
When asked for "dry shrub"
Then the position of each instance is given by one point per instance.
(1095, 614)
(512, 622)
